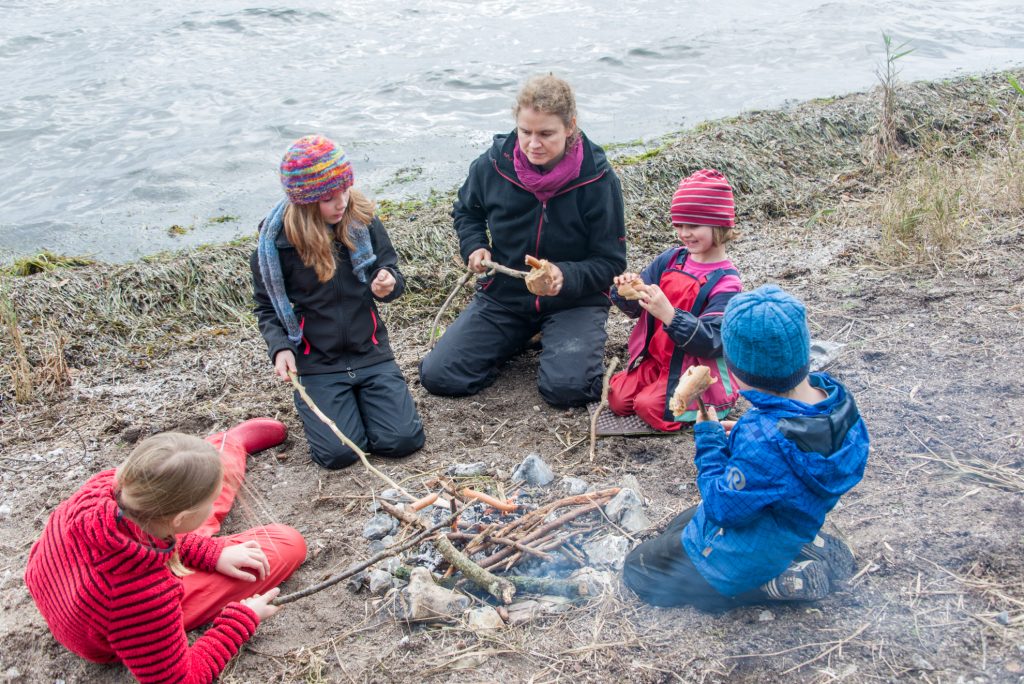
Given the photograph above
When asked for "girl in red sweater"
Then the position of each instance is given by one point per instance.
(128, 564)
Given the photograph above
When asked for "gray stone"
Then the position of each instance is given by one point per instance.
(381, 582)
(424, 601)
(521, 612)
(823, 353)
(574, 486)
(468, 469)
(765, 616)
(630, 482)
(392, 495)
(484, 619)
(5, 511)
(356, 582)
(626, 500)
(634, 520)
(534, 471)
(379, 526)
(596, 581)
(607, 553)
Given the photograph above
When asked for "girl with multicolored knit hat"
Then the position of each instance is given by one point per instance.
(679, 299)
(323, 262)
(129, 563)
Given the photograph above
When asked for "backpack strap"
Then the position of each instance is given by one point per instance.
(705, 290)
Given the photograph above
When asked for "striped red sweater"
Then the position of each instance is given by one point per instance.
(107, 595)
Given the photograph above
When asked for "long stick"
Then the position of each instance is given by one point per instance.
(340, 435)
(499, 588)
(600, 407)
(533, 585)
(334, 579)
(488, 264)
(458, 286)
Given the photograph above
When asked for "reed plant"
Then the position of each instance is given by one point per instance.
(17, 365)
(887, 134)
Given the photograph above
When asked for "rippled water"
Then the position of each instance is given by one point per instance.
(117, 122)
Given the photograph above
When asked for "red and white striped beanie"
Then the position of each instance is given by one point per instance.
(705, 199)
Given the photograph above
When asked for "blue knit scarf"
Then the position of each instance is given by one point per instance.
(270, 265)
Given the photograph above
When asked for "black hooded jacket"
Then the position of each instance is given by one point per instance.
(581, 229)
(341, 328)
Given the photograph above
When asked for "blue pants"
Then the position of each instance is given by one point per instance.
(487, 334)
(371, 406)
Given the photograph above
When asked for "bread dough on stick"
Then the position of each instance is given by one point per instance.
(691, 386)
(539, 279)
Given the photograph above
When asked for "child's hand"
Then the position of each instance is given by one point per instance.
(383, 284)
(260, 603)
(712, 415)
(728, 425)
(284, 363)
(626, 278)
(476, 258)
(657, 304)
(234, 559)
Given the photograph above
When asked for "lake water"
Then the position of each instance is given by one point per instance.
(119, 120)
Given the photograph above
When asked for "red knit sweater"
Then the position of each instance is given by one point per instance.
(103, 586)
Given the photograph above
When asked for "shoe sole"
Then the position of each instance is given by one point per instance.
(833, 553)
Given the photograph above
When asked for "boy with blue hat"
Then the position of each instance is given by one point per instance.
(767, 486)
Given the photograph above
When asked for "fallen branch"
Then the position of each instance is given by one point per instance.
(601, 406)
(447, 302)
(355, 569)
(499, 588)
(340, 435)
(505, 270)
(532, 585)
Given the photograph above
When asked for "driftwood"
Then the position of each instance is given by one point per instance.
(447, 302)
(601, 406)
(340, 435)
(499, 588)
(355, 569)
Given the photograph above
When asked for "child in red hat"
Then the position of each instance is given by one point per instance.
(679, 299)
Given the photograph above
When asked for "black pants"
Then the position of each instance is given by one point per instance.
(486, 335)
(371, 406)
(661, 573)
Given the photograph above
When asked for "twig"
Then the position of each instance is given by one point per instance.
(447, 302)
(386, 553)
(499, 588)
(511, 272)
(600, 407)
(540, 532)
(340, 435)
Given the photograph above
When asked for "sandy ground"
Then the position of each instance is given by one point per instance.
(933, 358)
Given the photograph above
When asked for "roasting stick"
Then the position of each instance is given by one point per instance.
(447, 302)
(505, 270)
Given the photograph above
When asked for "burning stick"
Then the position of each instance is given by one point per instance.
(601, 406)
(499, 588)
(539, 533)
(691, 386)
(502, 506)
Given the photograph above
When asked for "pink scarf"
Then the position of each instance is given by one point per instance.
(545, 184)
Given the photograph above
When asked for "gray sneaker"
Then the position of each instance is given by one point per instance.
(834, 553)
(802, 581)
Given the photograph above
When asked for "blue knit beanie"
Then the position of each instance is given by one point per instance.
(767, 343)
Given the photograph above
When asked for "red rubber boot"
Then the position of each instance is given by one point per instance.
(257, 434)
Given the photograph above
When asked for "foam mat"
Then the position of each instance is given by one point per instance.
(611, 425)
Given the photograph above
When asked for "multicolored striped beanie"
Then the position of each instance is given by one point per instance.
(704, 198)
(314, 168)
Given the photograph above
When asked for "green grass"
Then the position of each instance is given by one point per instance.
(45, 261)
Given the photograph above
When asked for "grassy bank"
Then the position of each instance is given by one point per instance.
(811, 163)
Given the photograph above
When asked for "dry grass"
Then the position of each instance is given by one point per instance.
(17, 364)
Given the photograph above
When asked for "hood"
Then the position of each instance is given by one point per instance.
(117, 544)
(826, 444)
(595, 162)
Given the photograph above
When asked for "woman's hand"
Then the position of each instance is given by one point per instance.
(476, 259)
(234, 560)
(284, 363)
(555, 280)
(654, 301)
(383, 284)
(260, 603)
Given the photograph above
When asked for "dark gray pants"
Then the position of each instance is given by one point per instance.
(371, 406)
(661, 573)
(486, 335)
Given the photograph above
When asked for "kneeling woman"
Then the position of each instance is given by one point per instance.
(322, 263)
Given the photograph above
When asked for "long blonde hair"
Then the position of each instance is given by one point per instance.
(306, 229)
(167, 474)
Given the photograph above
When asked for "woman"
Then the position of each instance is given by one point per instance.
(544, 190)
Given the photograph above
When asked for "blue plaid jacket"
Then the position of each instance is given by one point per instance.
(767, 487)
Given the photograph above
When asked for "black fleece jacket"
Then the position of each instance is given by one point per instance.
(582, 229)
(341, 328)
